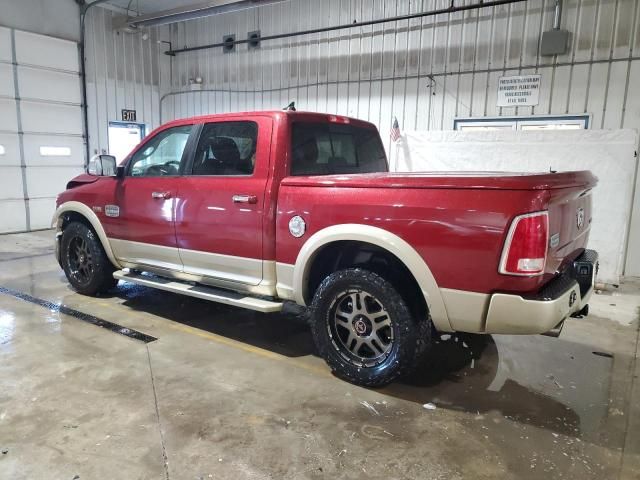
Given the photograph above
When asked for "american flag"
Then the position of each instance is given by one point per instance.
(395, 130)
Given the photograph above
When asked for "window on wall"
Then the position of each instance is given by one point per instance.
(55, 151)
(555, 122)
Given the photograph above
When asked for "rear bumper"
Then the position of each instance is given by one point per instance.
(564, 296)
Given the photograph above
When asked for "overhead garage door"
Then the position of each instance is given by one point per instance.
(41, 142)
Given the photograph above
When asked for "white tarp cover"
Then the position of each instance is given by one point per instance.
(609, 154)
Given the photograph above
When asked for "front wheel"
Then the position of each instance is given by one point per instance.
(84, 261)
(365, 330)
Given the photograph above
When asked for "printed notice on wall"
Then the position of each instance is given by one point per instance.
(519, 91)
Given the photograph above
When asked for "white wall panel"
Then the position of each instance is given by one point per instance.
(45, 100)
(34, 158)
(5, 44)
(41, 212)
(13, 218)
(36, 83)
(51, 118)
(11, 183)
(6, 80)
(46, 51)
(9, 142)
(8, 118)
(49, 181)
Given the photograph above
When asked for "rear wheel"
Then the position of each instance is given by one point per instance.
(84, 261)
(365, 330)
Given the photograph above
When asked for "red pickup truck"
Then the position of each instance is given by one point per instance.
(256, 209)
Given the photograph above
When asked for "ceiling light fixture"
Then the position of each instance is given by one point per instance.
(197, 11)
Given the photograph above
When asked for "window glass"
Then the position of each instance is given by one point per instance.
(536, 122)
(226, 148)
(162, 155)
(327, 149)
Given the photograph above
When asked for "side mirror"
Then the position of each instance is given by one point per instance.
(102, 166)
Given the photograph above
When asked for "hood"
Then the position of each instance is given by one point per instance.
(81, 179)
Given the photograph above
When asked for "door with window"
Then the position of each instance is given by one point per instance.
(141, 223)
(220, 203)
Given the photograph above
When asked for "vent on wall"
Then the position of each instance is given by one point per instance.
(55, 151)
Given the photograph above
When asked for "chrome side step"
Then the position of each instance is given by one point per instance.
(200, 291)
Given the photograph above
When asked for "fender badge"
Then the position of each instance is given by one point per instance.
(97, 209)
(554, 241)
(112, 210)
(580, 217)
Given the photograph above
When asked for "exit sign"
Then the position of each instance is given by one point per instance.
(128, 115)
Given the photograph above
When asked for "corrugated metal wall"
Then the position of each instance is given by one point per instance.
(424, 71)
(124, 71)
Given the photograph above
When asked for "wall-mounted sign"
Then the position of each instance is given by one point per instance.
(519, 91)
(128, 115)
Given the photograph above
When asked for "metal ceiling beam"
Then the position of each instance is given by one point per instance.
(197, 11)
(450, 9)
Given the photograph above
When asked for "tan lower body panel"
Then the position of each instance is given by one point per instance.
(512, 314)
(225, 271)
(466, 310)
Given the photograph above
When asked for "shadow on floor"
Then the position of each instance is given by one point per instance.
(457, 374)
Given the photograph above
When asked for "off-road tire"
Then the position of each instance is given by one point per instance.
(411, 335)
(90, 280)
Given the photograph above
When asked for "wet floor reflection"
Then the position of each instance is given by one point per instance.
(532, 380)
(7, 326)
(553, 384)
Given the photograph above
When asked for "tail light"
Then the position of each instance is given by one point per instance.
(525, 250)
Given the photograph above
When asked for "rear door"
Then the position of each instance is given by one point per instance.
(221, 202)
(141, 220)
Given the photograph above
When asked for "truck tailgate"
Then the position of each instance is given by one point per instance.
(569, 224)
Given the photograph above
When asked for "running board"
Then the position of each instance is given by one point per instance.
(200, 291)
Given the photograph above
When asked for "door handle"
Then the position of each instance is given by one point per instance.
(245, 199)
(161, 195)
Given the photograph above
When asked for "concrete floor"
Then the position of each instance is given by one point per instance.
(230, 394)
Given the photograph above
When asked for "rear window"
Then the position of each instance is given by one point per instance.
(327, 149)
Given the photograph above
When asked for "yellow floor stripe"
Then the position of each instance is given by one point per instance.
(318, 370)
(251, 349)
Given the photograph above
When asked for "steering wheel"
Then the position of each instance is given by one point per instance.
(173, 166)
(167, 168)
(156, 171)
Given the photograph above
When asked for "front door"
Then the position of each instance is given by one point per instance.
(220, 208)
(141, 221)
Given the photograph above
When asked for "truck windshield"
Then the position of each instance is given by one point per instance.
(328, 149)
